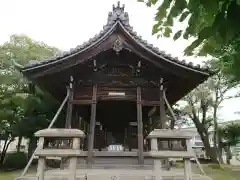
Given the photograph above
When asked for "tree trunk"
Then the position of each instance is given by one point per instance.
(4, 151)
(19, 143)
(216, 138)
(172, 124)
(228, 153)
(31, 146)
(215, 127)
(210, 152)
(220, 151)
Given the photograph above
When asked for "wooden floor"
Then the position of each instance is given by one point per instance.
(115, 174)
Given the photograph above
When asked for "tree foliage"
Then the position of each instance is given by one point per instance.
(229, 136)
(230, 133)
(213, 24)
(22, 111)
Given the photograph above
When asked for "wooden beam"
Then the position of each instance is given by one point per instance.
(81, 102)
(100, 77)
(92, 126)
(107, 98)
(140, 127)
(150, 103)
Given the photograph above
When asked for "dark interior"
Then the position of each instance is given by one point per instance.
(115, 118)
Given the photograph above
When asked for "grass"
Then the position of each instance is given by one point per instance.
(214, 172)
(9, 175)
(217, 172)
(14, 174)
(222, 174)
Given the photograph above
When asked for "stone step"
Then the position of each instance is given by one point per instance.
(115, 160)
(115, 174)
(115, 166)
(115, 177)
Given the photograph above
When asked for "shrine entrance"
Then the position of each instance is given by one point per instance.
(113, 121)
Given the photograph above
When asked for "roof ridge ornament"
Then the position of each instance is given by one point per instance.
(118, 14)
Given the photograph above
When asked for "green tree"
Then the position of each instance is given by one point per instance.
(196, 108)
(17, 104)
(229, 136)
(219, 85)
(10, 114)
(212, 24)
(201, 107)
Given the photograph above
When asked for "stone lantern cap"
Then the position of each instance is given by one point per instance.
(171, 134)
(71, 133)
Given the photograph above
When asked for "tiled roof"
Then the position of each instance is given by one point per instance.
(118, 15)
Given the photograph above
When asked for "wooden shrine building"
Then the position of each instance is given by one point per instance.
(116, 81)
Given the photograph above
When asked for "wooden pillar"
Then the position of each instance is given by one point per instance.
(75, 122)
(140, 127)
(80, 122)
(92, 126)
(70, 105)
(163, 118)
(69, 115)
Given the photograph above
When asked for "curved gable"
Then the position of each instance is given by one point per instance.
(117, 18)
(117, 40)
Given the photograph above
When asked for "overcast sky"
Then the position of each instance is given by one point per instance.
(68, 23)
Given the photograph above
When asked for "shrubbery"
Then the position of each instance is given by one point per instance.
(17, 160)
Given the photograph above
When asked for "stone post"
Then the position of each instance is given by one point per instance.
(73, 160)
(186, 169)
(154, 144)
(160, 154)
(41, 161)
(187, 163)
(72, 152)
(157, 165)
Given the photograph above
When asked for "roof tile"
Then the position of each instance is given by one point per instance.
(117, 15)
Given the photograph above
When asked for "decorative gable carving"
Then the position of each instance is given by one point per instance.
(118, 45)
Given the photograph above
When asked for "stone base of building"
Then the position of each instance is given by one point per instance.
(115, 174)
